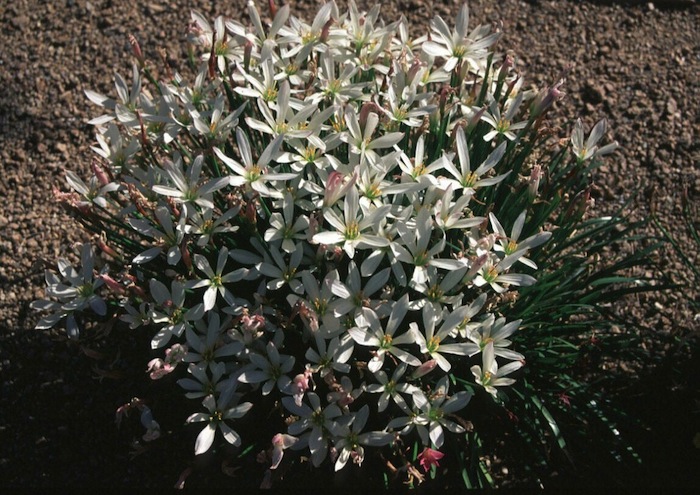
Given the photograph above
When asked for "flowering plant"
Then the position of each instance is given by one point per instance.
(334, 215)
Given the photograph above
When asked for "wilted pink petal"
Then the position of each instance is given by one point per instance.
(280, 442)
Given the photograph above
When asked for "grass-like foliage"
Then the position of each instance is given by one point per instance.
(347, 242)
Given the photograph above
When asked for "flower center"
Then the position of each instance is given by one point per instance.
(433, 344)
(435, 293)
(352, 230)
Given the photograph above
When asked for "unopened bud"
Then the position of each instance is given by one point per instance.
(367, 108)
(476, 118)
(100, 173)
(136, 49)
(545, 99)
(101, 242)
(424, 369)
(186, 258)
(507, 64)
(247, 52)
(273, 8)
(533, 185)
(337, 187)
(112, 284)
(211, 66)
(251, 211)
(326, 30)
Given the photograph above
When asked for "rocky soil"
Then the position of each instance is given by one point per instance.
(635, 63)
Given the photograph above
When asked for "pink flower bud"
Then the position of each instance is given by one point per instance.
(476, 118)
(367, 108)
(247, 52)
(112, 284)
(414, 69)
(251, 212)
(301, 383)
(212, 57)
(533, 185)
(545, 99)
(424, 369)
(100, 173)
(326, 30)
(273, 8)
(102, 244)
(337, 187)
(186, 258)
(136, 49)
(503, 72)
(487, 242)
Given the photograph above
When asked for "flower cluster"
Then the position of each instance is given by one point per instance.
(315, 217)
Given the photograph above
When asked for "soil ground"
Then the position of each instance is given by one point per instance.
(635, 63)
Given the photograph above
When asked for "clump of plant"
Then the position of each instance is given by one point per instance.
(336, 222)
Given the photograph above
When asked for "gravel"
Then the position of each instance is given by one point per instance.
(635, 63)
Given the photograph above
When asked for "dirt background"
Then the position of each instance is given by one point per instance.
(635, 63)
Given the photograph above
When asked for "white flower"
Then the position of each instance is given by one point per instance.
(272, 369)
(94, 191)
(75, 293)
(509, 244)
(457, 46)
(331, 356)
(170, 310)
(208, 343)
(281, 272)
(433, 412)
(432, 343)
(349, 439)
(492, 273)
(361, 141)
(350, 230)
(218, 414)
(285, 227)
(503, 124)
(495, 331)
(171, 237)
(589, 149)
(490, 375)
(315, 418)
(470, 180)
(201, 384)
(411, 247)
(204, 225)
(254, 173)
(372, 334)
(391, 388)
(187, 189)
(215, 280)
(353, 295)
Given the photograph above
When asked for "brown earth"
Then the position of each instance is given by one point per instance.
(635, 63)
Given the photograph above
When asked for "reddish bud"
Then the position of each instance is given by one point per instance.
(136, 49)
